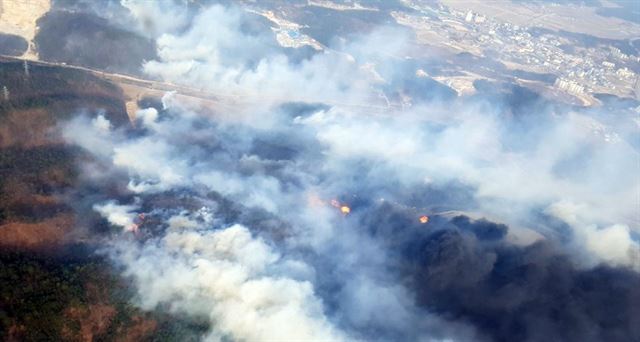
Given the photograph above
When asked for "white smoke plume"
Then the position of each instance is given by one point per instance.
(283, 264)
(234, 279)
(118, 215)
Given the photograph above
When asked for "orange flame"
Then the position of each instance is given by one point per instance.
(137, 222)
(345, 210)
(424, 219)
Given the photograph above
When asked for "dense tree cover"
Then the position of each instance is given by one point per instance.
(40, 171)
(41, 296)
(35, 291)
(34, 163)
(62, 92)
(67, 293)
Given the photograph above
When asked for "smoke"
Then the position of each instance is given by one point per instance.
(231, 278)
(118, 215)
(533, 229)
(466, 268)
(154, 19)
(245, 65)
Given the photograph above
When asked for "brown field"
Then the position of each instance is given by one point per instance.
(44, 235)
(28, 128)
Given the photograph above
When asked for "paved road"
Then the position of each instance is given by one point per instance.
(201, 93)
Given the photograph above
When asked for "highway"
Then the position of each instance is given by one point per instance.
(202, 94)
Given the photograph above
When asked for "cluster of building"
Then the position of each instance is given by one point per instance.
(580, 70)
(569, 86)
(340, 6)
(288, 33)
(474, 18)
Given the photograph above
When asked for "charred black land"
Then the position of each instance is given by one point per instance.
(85, 39)
(12, 45)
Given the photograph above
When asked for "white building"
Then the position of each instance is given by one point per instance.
(469, 17)
(570, 87)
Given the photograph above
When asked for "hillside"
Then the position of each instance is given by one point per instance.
(61, 293)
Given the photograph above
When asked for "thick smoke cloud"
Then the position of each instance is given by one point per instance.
(465, 268)
(532, 232)
(245, 65)
(230, 277)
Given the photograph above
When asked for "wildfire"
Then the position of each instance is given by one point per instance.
(137, 222)
(424, 219)
(345, 210)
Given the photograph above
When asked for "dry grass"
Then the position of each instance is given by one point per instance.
(138, 329)
(94, 320)
(28, 128)
(46, 234)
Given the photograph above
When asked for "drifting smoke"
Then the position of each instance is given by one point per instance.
(232, 278)
(241, 228)
(118, 215)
